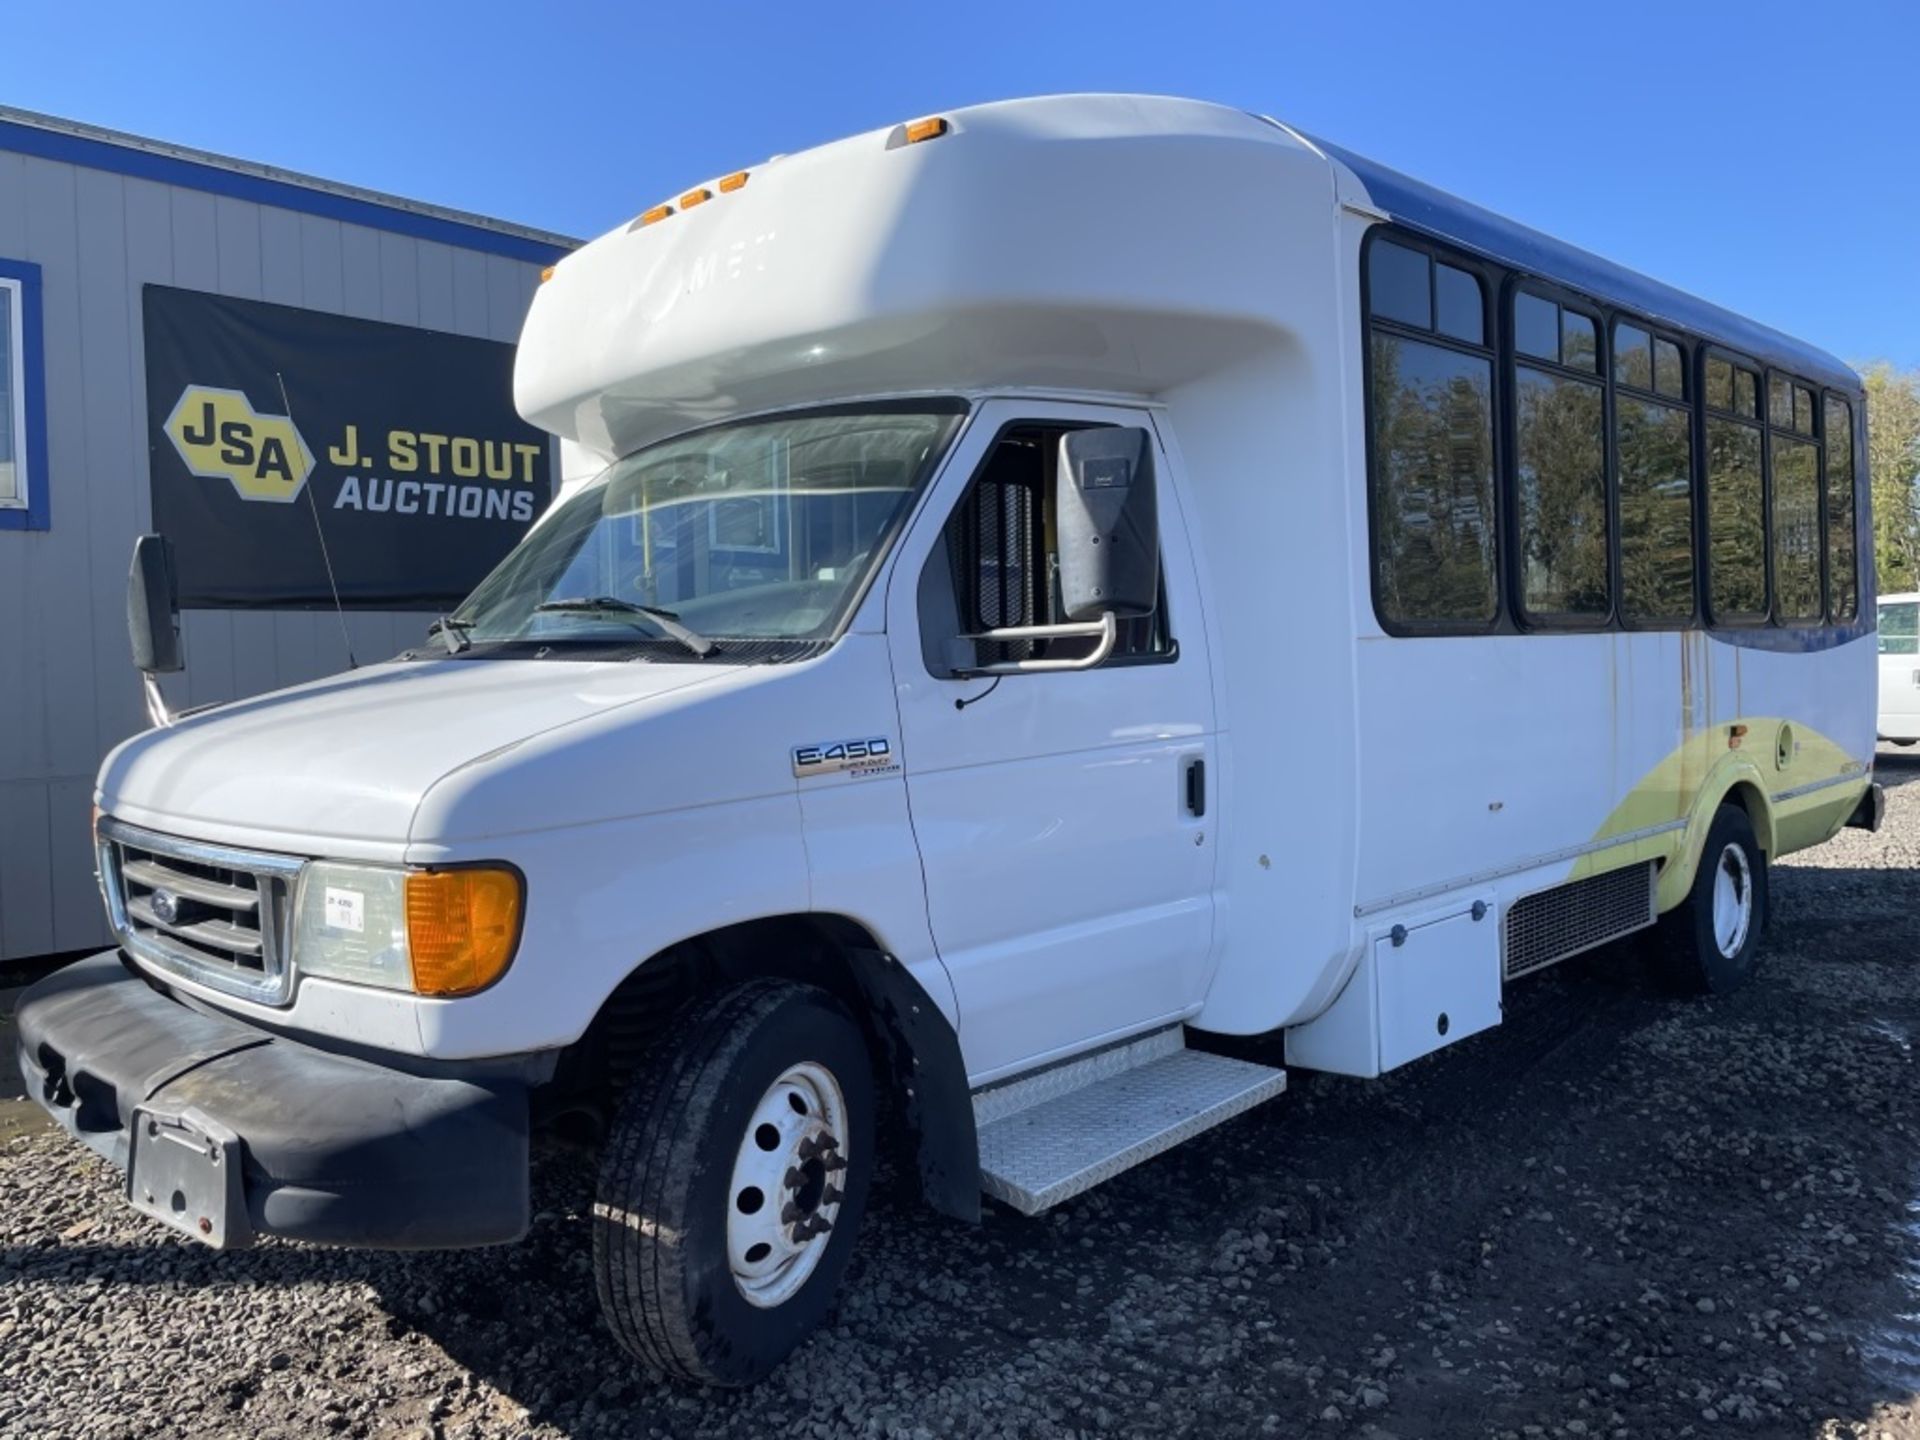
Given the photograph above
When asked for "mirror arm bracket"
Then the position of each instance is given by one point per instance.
(157, 710)
(1106, 628)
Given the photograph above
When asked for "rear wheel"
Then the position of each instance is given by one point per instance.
(1710, 942)
(733, 1183)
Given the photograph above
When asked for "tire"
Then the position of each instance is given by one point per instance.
(1710, 943)
(756, 1080)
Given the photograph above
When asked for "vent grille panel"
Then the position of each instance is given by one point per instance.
(1551, 925)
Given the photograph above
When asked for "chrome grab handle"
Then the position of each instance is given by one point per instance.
(1106, 628)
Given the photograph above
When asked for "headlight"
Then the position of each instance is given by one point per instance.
(435, 932)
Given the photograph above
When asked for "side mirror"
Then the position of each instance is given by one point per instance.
(153, 619)
(153, 610)
(1109, 524)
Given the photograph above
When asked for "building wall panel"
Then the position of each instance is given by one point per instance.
(67, 691)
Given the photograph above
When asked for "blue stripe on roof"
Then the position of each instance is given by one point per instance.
(282, 194)
(1434, 212)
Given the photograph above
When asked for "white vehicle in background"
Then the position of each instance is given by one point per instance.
(1067, 578)
(1899, 626)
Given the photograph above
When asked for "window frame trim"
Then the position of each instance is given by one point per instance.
(29, 399)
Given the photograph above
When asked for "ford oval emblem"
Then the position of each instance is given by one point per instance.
(165, 905)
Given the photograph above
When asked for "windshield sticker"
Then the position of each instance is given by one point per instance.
(346, 910)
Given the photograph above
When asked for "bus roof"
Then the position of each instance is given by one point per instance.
(1434, 212)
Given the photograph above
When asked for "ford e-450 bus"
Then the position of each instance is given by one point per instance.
(1063, 579)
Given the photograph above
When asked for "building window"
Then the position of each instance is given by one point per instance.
(23, 497)
(1430, 406)
(13, 422)
(1843, 584)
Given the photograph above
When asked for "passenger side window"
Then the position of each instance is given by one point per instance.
(1560, 463)
(1736, 514)
(1794, 525)
(1843, 583)
(1900, 628)
(1654, 441)
(999, 564)
(1431, 483)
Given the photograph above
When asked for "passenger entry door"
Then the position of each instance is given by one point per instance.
(1065, 819)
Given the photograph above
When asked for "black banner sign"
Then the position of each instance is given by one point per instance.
(403, 444)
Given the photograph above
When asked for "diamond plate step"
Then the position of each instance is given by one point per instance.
(1051, 1136)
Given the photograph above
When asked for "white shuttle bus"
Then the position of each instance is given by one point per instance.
(1064, 579)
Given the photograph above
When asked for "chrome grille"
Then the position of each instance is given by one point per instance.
(1552, 925)
(207, 913)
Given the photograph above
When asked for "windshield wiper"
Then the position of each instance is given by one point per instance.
(452, 632)
(614, 605)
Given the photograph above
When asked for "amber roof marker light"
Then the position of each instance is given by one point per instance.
(733, 182)
(694, 197)
(914, 131)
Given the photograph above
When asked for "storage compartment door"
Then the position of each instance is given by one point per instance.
(1439, 983)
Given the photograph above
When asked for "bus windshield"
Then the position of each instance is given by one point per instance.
(763, 530)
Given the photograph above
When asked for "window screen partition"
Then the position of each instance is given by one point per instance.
(1432, 453)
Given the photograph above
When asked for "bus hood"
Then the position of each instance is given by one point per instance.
(341, 765)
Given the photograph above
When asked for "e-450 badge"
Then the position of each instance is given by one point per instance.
(872, 756)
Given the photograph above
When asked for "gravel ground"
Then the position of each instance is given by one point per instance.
(1617, 1215)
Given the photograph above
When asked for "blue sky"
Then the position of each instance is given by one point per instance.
(1763, 154)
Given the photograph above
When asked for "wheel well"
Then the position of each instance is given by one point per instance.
(926, 1110)
(1747, 795)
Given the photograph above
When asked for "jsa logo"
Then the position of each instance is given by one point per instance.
(220, 436)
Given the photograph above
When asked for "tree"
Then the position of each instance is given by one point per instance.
(1893, 467)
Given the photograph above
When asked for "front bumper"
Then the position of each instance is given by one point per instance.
(226, 1132)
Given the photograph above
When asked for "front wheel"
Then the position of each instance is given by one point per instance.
(733, 1183)
(1710, 942)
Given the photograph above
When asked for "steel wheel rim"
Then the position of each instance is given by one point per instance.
(786, 1194)
(1732, 900)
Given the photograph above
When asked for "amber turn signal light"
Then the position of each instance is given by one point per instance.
(462, 927)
